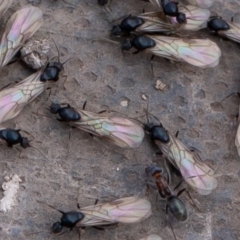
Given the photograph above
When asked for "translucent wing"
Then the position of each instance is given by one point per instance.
(120, 131)
(198, 52)
(156, 3)
(155, 22)
(124, 210)
(196, 18)
(194, 171)
(14, 98)
(201, 3)
(152, 237)
(4, 6)
(237, 139)
(233, 33)
(20, 27)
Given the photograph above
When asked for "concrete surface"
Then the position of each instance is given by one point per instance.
(82, 169)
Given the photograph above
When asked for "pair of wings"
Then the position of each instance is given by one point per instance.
(120, 131)
(195, 172)
(124, 210)
(158, 22)
(201, 53)
(14, 98)
(20, 27)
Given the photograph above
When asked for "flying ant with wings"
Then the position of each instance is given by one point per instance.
(15, 97)
(175, 204)
(157, 22)
(225, 29)
(123, 210)
(201, 53)
(13, 137)
(194, 171)
(170, 8)
(120, 131)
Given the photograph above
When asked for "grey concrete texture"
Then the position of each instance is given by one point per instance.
(82, 169)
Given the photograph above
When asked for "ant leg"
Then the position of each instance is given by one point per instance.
(65, 79)
(159, 153)
(190, 197)
(151, 62)
(84, 105)
(168, 172)
(157, 195)
(178, 185)
(168, 222)
(19, 152)
(147, 190)
(136, 52)
(176, 134)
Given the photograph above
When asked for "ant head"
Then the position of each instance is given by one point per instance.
(158, 132)
(57, 227)
(57, 65)
(116, 30)
(55, 107)
(153, 169)
(25, 142)
(127, 45)
(181, 18)
(218, 24)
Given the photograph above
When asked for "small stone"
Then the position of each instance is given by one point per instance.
(124, 103)
(144, 97)
(160, 85)
(34, 53)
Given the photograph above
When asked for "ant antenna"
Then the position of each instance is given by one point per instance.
(230, 96)
(57, 50)
(38, 233)
(67, 61)
(39, 151)
(51, 207)
(148, 113)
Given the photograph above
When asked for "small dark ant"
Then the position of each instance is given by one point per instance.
(139, 42)
(13, 137)
(176, 206)
(218, 24)
(66, 114)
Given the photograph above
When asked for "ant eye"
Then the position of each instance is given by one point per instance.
(57, 227)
